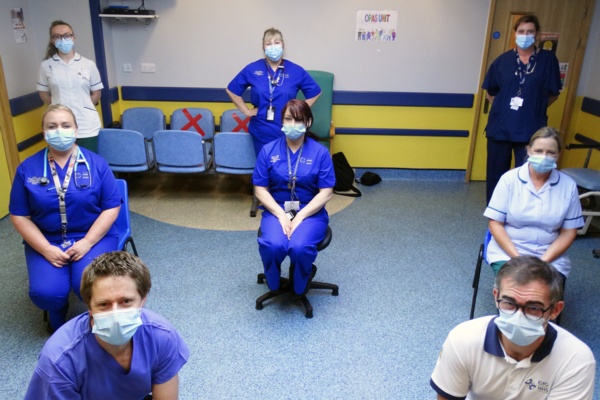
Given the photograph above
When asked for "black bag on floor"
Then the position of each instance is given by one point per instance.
(344, 177)
(369, 179)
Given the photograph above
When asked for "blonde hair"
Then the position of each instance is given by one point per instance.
(272, 33)
(547, 133)
(58, 107)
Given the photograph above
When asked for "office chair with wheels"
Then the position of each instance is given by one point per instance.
(287, 287)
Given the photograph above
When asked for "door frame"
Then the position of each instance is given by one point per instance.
(7, 128)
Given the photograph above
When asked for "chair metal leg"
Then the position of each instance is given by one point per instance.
(476, 280)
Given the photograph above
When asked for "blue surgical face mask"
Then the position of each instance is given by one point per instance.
(524, 41)
(64, 45)
(294, 131)
(118, 326)
(519, 329)
(542, 164)
(274, 52)
(60, 139)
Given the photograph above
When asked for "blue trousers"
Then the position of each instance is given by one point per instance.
(499, 157)
(274, 246)
(49, 286)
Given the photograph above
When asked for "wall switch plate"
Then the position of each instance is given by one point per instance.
(127, 67)
(148, 67)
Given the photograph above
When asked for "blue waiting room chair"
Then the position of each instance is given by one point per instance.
(124, 150)
(181, 152)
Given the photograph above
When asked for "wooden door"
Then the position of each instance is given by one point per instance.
(570, 21)
(9, 157)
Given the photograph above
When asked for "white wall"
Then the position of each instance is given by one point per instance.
(22, 60)
(589, 83)
(205, 43)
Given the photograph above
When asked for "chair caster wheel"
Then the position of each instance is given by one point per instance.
(253, 214)
(260, 281)
(309, 314)
(335, 292)
(259, 306)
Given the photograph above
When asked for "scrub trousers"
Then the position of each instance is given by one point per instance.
(49, 286)
(499, 157)
(274, 246)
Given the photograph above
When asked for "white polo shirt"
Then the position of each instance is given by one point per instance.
(473, 365)
(533, 218)
(70, 84)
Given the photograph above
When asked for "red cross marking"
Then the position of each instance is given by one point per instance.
(242, 124)
(193, 122)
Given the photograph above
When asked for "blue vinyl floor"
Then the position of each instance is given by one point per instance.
(403, 256)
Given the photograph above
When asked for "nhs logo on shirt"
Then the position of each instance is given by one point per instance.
(541, 386)
(259, 73)
(274, 159)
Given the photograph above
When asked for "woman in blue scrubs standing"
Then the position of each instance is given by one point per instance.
(63, 202)
(293, 179)
(273, 82)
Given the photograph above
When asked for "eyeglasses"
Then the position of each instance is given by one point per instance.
(66, 36)
(533, 313)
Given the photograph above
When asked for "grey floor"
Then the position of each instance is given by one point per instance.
(403, 256)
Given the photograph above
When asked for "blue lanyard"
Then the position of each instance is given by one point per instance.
(292, 175)
(275, 79)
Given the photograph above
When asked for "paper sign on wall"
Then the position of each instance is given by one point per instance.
(376, 25)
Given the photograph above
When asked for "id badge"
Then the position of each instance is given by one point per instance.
(66, 244)
(271, 113)
(516, 102)
(291, 205)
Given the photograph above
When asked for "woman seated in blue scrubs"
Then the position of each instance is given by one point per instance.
(293, 180)
(64, 202)
(535, 208)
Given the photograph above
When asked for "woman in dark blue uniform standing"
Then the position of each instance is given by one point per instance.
(274, 81)
(293, 179)
(521, 84)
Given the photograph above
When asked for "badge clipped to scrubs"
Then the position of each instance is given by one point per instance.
(66, 244)
(291, 205)
(516, 102)
(270, 113)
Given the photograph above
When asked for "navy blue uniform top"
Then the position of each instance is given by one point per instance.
(502, 81)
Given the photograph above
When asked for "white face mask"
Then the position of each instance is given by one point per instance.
(519, 329)
(117, 327)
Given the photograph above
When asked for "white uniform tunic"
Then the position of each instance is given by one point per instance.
(70, 84)
(533, 218)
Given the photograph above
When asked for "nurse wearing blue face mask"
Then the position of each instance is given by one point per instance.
(535, 208)
(520, 84)
(273, 81)
(67, 78)
(64, 202)
(293, 179)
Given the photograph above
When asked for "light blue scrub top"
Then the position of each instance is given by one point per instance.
(532, 218)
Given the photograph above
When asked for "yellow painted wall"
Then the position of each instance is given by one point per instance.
(374, 150)
(587, 125)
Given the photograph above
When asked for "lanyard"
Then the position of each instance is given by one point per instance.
(524, 70)
(61, 190)
(275, 78)
(292, 175)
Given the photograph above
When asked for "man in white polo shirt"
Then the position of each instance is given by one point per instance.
(518, 354)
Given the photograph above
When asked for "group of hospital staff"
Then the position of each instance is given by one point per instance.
(64, 200)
